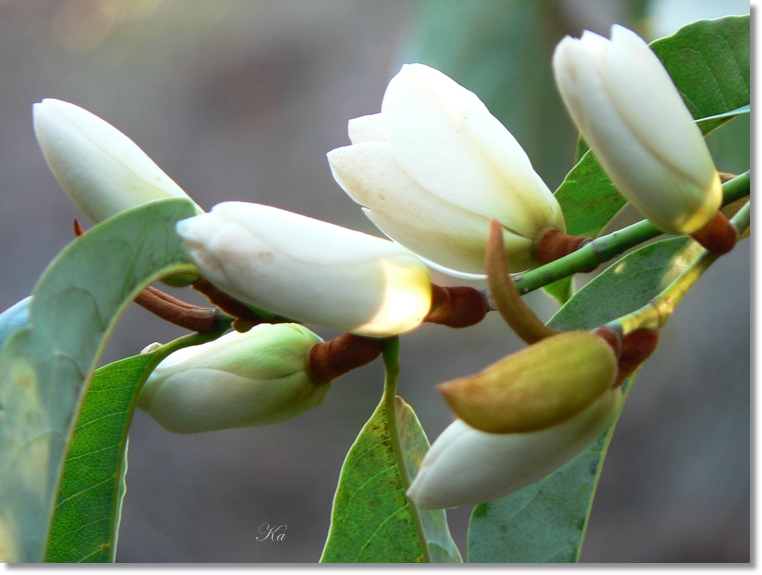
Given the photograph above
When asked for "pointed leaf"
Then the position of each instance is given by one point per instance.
(89, 500)
(373, 521)
(710, 64)
(45, 368)
(546, 521)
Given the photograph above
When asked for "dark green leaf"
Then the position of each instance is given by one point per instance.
(373, 521)
(709, 63)
(89, 502)
(45, 368)
(546, 521)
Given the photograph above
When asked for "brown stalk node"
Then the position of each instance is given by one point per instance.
(505, 294)
(611, 337)
(333, 358)
(718, 236)
(460, 306)
(556, 244)
(637, 346)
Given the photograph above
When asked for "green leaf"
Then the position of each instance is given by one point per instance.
(710, 64)
(546, 521)
(45, 368)
(373, 521)
(561, 290)
(89, 501)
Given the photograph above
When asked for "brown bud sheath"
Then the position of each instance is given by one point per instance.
(506, 296)
(535, 388)
(556, 244)
(718, 236)
(460, 306)
(78, 229)
(637, 346)
(330, 359)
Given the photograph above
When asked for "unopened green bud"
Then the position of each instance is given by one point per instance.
(537, 387)
(259, 377)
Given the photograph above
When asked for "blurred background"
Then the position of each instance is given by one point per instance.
(240, 100)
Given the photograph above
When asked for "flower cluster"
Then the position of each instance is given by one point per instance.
(431, 171)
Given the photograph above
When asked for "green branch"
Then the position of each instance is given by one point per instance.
(606, 247)
(656, 313)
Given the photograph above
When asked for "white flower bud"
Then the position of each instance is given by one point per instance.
(435, 166)
(624, 103)
(101, 169)
(466, 467)
(309, 270)
(259, 377)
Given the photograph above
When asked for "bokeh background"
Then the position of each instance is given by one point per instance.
(240, 100)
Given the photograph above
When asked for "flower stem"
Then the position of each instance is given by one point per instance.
(604, 248)
(655, 314)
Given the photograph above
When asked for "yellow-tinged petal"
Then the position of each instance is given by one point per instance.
(309, 270)
(630, 113)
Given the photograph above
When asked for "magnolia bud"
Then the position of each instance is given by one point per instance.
(101, 169)
(259, 377)
(309, 270)
(435, 166)
(465, 466)
(536, 388)
(624, 103)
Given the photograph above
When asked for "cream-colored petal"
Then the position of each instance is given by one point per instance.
(652, 108)
(367, 129)
(446, 140)
(309, 270)
(433, 228)
(467, 467)
(674, 202)
(101, 169)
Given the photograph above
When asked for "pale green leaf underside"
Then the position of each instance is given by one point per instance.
(710, 64)
(546, 521)
(44, 368)
(373, 521)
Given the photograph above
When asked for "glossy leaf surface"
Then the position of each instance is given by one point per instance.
(373, 521)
